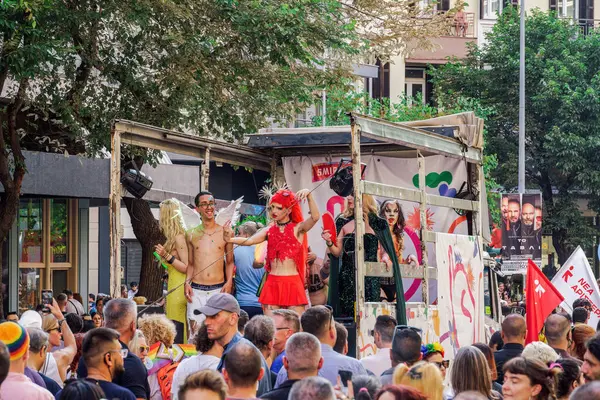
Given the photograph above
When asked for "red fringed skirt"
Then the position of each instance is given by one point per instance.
(283, 291)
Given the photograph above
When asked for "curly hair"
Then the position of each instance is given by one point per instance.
(398, 228)
(202, 342)
(170, 223)
(157, 328)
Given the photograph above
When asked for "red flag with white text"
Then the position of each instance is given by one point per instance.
(541, 299)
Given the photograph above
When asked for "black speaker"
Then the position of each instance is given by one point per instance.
(350, 326)
(135, 181)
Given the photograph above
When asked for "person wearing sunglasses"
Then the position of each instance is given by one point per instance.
(104, 358)
(60, 354)
(318, 321)
(406, 349)
(434, 353)
(139, 345)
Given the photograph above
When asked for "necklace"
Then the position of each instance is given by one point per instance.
(211, 234)
(284, 223)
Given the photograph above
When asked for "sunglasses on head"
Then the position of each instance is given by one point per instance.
(412, 328)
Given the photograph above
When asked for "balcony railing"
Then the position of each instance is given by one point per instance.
(587, 26)
(461, 24)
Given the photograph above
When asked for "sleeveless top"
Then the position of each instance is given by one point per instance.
(50, 369)
(285, 246)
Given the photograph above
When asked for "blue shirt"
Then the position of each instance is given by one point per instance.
(265, 384)
(247, 278)
(332, 363)
(277, 363)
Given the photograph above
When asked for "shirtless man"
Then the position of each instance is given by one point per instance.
(207, 252)
(286, 252)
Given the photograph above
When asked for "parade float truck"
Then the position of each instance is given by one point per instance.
(433, 168)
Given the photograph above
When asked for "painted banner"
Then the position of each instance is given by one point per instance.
(427, 320)
(521, 231)
(576, 280)
(444, 177)
(460, 291)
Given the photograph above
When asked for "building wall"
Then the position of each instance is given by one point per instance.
(93, 251)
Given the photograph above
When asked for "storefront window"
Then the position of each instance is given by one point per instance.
(59, 231)
(31, 243)
(29, 288)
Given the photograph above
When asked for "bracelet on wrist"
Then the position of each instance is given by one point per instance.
(329, 244)
(172, 260)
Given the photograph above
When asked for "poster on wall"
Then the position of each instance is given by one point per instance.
(521, 231)
(444, 177)
(460, 295)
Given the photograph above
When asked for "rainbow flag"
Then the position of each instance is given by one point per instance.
(160, 355)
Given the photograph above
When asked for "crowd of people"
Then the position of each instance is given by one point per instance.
(260, 326)
(286, 356)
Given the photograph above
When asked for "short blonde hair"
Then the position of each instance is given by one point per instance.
(540, 351)
(423, 376)
(157, 328)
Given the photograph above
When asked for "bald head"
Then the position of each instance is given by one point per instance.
(243, 365)
(514, 329)
(556, 329)
(302, 355)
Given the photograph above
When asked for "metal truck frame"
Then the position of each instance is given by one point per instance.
(405, 136)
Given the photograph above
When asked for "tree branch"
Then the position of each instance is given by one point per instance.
(89, 57)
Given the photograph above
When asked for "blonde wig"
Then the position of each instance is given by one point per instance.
(157, 328)
(423, 376)
(170, 223)
(135, 341)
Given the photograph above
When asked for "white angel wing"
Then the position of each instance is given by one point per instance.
(190, 218)
(229, 213)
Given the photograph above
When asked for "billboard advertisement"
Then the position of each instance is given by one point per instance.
(521, 231)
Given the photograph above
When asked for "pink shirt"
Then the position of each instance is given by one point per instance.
(18, 386)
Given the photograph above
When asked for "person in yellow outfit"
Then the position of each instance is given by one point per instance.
(175, 252)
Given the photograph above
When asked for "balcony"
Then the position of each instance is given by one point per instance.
(587, 26)
(460, 31)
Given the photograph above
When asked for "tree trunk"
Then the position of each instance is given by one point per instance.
(148, 233)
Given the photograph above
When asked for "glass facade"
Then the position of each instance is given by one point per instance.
(31, 232)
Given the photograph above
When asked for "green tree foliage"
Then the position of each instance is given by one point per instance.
(341, 101)
(562, 114)
(219, 68)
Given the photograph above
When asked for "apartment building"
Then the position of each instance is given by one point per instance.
(407, 75)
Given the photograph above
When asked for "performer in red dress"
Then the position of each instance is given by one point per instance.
(286, 250)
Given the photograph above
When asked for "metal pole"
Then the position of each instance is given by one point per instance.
(324, 100)
(522, 102)
(359, 223)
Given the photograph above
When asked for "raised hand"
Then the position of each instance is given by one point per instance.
(227, 232)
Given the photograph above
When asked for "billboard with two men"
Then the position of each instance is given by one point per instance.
(521, 231)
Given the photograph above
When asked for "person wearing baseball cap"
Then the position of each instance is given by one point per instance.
(17, 385)
(222, 312)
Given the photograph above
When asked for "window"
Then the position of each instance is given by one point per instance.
(29, 288)
(414, 86)
(59, 231)
(46, 232)
(563, 8)
(31, 244)
(381, 87)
